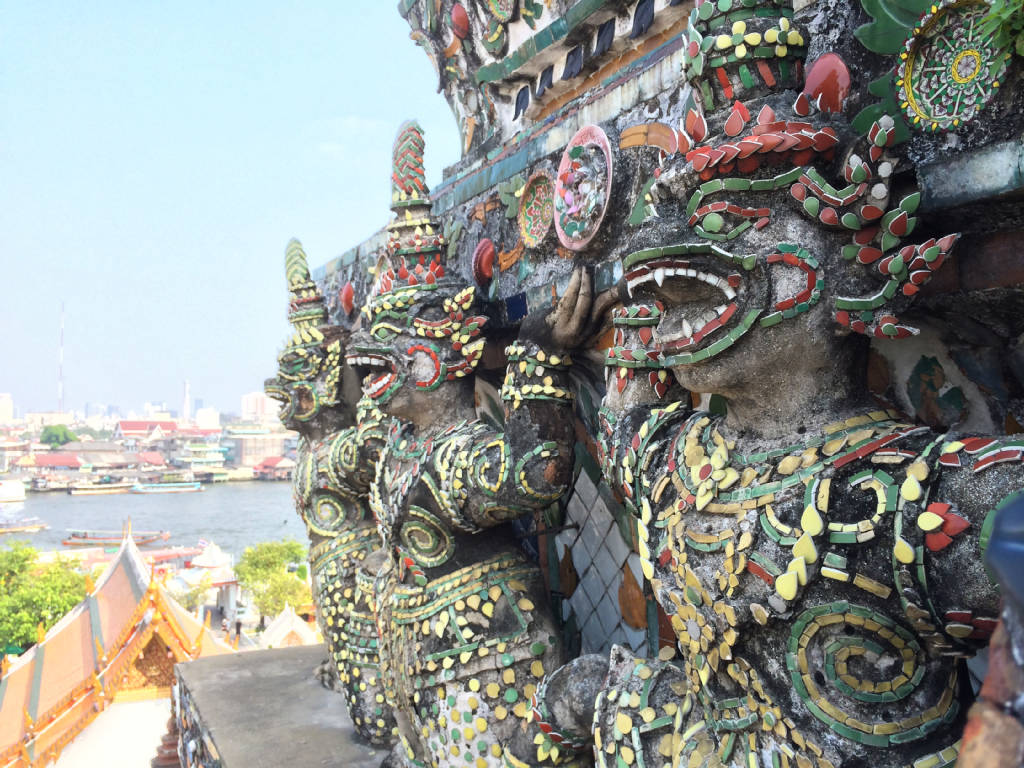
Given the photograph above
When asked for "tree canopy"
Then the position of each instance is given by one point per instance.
(193, 597)
(263, 570)
(56, 434)
(32, 593)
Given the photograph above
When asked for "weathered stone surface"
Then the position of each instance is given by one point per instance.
(815, 559)
(262, 707)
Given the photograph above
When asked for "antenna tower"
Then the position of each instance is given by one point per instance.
(60, 364)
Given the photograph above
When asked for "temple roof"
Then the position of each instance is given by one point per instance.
(288, 629)
(53, 690)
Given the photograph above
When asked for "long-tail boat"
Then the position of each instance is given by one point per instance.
(87, 538)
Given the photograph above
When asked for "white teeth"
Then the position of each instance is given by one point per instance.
(687, 328)
(719, 309)
(659, 274)
(360, 360)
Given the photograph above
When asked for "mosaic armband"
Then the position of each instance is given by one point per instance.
(534, 374)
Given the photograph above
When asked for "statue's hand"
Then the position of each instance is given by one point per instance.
(574, 319)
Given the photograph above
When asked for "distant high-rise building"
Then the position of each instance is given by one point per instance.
(258, 408)
(6, 408)
(93, 410)
(186, 404)
(156, 411)
(207, 418)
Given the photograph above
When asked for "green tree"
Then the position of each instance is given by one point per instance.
(279, 589)
(263, 570)
(57, 434)
(194, 596)
(32, 592)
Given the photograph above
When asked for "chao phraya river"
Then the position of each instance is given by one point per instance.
(232, 515)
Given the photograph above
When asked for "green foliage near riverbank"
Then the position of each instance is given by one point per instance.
(263, 570)
(56, 435)
(32, 593)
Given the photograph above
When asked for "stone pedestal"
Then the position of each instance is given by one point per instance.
(265, 708)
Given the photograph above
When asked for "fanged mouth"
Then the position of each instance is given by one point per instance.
(275, 391)
(377, 373)
(699, 301)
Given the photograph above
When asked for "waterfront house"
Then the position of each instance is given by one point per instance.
(56, 461)
(274, 468)
(248, 446)
(134, 433)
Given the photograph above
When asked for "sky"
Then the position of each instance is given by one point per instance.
(155, 159)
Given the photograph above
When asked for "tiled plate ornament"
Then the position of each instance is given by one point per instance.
(583, 187)
(536, 209)
(950, 69)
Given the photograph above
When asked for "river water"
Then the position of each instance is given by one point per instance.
(232, 515)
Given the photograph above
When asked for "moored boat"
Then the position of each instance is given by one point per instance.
(24, 525)
(166, 487)
(86, 538)
(96, 489)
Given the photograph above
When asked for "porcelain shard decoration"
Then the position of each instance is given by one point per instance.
(463, 632)
(536, 209)
(795, 565)
(950, 68)
(582, 188)
(330, 487)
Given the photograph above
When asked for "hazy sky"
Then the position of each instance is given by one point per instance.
(155, 158)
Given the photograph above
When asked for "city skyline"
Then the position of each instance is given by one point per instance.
(159, 160)
(247, 404)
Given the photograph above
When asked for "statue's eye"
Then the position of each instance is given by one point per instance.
(726, 221)
(385, 331)
(294, 365)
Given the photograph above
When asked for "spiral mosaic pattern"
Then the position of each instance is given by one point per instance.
(841, 651)
(425, 539)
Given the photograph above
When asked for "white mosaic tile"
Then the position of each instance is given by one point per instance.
(593, 533)
(591, 583)
(581, 603)
(634, 565)
(635, 639)
(585, 489)
(608, 612)
(618, 637)
(593, 635)
(605, 565)
(576, 512)
(600, 518)
(564, 540)
(618, 548)
(613, 585)
(581, 557)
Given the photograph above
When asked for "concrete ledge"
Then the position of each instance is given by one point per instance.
(264, 709)
(983, 174)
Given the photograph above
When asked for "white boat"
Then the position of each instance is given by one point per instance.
(166, 487)
(95, 489)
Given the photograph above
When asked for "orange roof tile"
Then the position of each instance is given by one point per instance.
(64, 681)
